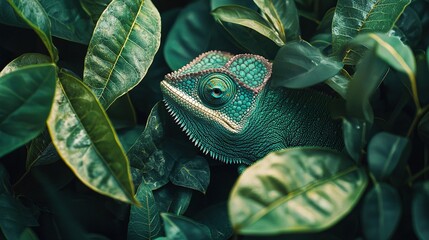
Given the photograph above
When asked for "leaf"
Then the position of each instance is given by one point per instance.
(419, 209)
(369, 74)
(295, 190)
(191, 172)
(144, 222)
(385, 151)
(28, 234)
(397, 55)
(122, 113)
(352, 18)
(178, 227)
(410, 25)
(113, 66)
(28, 92)
(340, 82)
(193, 33)
(246, 3)
(173, 199)
(355, 132)
(248, 18)
(283, 15)
(87, 142)
(32, 12)
(381, 212)
(24, 60)
(216, 218)
(300, 65)
(14, 217)
(94, 8)
(423, 128)
(68, 20)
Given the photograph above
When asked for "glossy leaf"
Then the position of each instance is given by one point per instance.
(385, 151)
(295, 190)
(191, 172)
(28, 92)
(32, 12)
(369, 74)
(14, 217)
(145, 221)
(300, 65)
(113, 66)
(87, 142)
(24, 60)
(283, 15)
(193, 33)
(340, 82)
(178, 227)
(381, 212)
(355, 133)
(248, 18)
(173, 199)
(218, 3)
(419, 209)
(354, 17)
(94, 8)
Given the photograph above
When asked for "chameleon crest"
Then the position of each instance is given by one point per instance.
(224, 104)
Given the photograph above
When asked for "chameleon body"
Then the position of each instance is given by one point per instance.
(226, 106)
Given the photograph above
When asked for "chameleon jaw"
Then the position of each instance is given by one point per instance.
(194, 106)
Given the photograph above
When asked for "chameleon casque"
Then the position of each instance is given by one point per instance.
(226, 106)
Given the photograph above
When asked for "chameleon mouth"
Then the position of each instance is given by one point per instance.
(197, 108)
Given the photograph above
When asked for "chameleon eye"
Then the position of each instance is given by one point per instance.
(216, 90)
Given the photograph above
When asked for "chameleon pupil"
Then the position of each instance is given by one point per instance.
(216, 90)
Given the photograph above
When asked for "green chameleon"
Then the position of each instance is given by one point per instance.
(226, 106)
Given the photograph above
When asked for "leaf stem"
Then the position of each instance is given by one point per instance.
(419, 114)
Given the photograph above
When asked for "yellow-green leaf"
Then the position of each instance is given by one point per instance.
(87, 142)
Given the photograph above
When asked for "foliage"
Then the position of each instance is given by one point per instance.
(80, 130)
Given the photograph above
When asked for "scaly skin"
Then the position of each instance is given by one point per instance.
(226, 106)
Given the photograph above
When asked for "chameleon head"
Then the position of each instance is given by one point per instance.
(213, 97)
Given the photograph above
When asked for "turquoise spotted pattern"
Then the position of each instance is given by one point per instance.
(251, 71)
(240, 105)
(206, 61)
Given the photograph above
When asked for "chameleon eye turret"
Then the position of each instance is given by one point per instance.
(216, 90)
(227, 107)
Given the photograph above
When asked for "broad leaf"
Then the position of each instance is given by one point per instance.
(300, 65)
(354, 17)
(295, 190)
(14, 217)
(218, 3)
(178, 227)
(355, 134)
(340, 82)
(191, 172)
(193, 33)
(32, 12)
(369, 74)
(248, 18)
(145, 221)
(25, 60)
(173, 199)
(385, 151)
(381, 212)
(87, 142)
(28, 92)
(114, 65)
(122, 113)
(216, 218)
(419, 209)
(283, 15)
(94, 8)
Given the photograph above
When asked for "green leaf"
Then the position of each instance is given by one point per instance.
(340, 82)
(216, 218)
(32, 12)
(144, 222)
(419, 209)
(87, 142)
(248, 18)
(193, 33)
(381, 212)
(295, 190)
(355, 132)
(369, 74)
(178, 227)
(283, 15)
(4, 180)
(28, 234)
(14, 217)
(300, 65)
(113, 66)
(385, 151)
(122, 113)
(191, 172)
(218, 3)
(24, 60)
(94, 8)
(173, 199)
(28, 92)
(352, 18)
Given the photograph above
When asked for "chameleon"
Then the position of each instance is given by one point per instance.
(229, 110)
